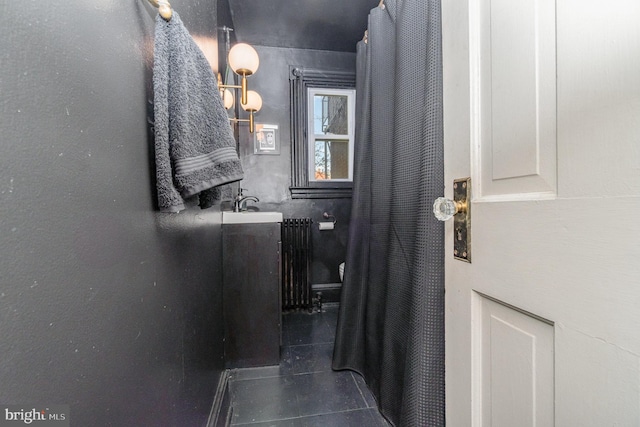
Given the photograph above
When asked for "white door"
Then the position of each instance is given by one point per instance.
(542, 111)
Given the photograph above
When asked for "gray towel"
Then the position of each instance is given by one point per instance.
(194, 145)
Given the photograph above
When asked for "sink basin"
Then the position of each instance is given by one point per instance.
(250, 217)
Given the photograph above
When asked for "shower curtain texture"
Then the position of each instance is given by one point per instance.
(391, 321)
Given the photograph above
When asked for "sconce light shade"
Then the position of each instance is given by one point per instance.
(243, 59)
(227, 98)
(254, 101)
(253, 104)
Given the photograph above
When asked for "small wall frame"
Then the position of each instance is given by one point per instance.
(266, 139)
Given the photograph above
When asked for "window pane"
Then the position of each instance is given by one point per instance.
(331, 159)
(330, 115)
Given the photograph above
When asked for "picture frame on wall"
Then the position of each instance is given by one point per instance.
(266, 139)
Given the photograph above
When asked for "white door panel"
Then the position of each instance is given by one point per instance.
(515, 366)
(565, 248)
(598, 382)
(513, 81)
(598, 98)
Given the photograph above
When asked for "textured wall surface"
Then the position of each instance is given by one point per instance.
(105, 304)
(304, 24)
(268, 176)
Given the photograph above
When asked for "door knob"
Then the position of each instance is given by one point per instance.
(444, 209)
(460, 210)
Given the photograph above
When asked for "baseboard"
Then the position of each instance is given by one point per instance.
(221, 407)
(330, 291)
(322, 286)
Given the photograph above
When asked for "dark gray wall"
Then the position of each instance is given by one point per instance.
(224, 20)
(335, 25)
(268, 176)
(105, 304)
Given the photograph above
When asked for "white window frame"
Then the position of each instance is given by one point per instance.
(312, 137)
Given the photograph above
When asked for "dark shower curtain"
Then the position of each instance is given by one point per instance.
(391, 322)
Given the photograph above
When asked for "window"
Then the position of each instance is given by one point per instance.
(322, 133)
(331, 115)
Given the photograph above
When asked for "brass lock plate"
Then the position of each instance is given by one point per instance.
(462, 220)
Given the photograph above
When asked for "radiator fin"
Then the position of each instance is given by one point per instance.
(296, 263)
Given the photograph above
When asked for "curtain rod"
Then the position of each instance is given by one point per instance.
(164, 8)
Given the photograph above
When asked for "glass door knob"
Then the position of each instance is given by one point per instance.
(444, 209)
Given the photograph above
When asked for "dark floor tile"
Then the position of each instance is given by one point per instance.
(284, 368)
(364, 389)
(355, 418)
(378, 419)
(326, 392)
(316, 333)
(286, 361)
(331, 319)
(330, 316)
(332, 334)
(311, 358)
(264, 399)
(303, 391)
(300, 318)
(277, 423)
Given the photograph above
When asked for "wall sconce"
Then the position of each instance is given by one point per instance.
(244, 61)
(226, 94)
(253, 105)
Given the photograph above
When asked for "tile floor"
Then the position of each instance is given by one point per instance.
(303, 391)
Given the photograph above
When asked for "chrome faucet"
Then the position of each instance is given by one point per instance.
(240, 201)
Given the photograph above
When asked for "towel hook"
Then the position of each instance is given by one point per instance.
(164, 8)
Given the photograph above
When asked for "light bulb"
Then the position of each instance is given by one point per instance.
(243, 59)
(227, 98)
(254, 101)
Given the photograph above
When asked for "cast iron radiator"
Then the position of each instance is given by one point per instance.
(296, 263)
